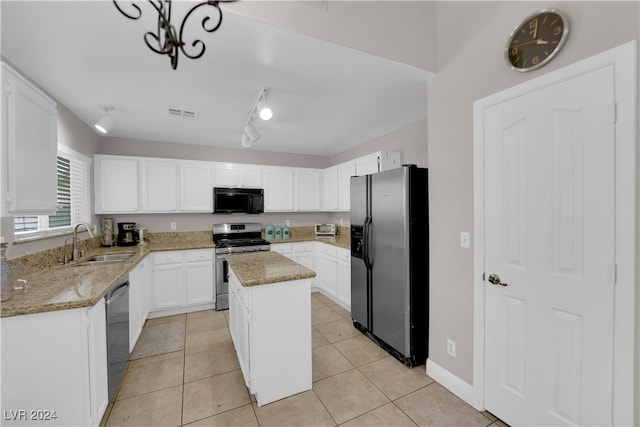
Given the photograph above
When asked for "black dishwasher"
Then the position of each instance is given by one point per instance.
(117, 303)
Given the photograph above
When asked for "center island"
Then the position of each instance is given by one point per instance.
(270, 323)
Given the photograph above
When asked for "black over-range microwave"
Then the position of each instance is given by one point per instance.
(238, 200)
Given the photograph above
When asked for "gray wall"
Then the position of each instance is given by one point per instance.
(471, 66)
(410, 141)
(137, 147)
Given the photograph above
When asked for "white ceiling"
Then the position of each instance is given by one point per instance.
(326, 98)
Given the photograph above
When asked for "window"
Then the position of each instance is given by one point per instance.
(73, 198)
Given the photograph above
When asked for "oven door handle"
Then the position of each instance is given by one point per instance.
(220, 268)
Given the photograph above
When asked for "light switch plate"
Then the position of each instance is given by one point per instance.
(465, 239)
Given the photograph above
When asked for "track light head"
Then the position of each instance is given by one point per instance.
(251, 132)
(105, 123)
(245, 141)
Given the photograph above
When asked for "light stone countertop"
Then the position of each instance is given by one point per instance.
(262, 268)
(63, 287)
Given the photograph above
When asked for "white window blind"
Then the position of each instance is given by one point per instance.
(73, 198)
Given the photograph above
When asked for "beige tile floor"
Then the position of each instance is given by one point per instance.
(355, 383)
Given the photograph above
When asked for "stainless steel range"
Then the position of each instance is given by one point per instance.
(233, 238)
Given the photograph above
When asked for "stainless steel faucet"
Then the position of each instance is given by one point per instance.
(74, 256)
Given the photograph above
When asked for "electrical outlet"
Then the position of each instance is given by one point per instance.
(465, 239)
(451, 348)
(287, 223)
(173, 226)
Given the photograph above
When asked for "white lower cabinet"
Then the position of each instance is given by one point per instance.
(333, 273)
(303, 253)
(343, 277)
(332, 265)
(182, 281)
(54, 367)
(199, 277)
(270, 326)
(326, 269)
(138, 300)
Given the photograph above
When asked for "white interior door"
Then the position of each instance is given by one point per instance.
(549, 237)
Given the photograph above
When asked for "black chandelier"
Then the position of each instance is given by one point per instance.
(166, 40)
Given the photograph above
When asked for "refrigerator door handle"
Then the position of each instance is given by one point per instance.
(367, 242)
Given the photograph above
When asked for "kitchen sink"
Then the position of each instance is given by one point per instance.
(104, 259)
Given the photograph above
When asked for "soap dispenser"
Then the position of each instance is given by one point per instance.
(269, 232)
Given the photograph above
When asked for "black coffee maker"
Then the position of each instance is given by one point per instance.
(127, 234)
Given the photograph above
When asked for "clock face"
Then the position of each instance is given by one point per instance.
(537, 40)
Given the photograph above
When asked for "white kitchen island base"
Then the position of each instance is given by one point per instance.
(270, 327)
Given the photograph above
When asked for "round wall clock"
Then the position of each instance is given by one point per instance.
(537, 40)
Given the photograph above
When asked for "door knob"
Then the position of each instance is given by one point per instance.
(494, 279)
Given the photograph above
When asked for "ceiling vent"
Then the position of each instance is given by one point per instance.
(184, 114)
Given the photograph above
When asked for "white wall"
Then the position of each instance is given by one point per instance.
(389, 29)
(471, 66)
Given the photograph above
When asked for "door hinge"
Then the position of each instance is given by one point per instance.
(613, 113)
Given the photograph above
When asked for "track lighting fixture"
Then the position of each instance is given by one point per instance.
(261, 109)
(105, 123)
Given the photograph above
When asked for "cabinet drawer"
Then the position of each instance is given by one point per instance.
(200, 255)
(302, 247)
(281, 248)
(167, 258)
(327, 249)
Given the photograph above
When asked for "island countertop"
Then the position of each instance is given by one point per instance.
(261, 268)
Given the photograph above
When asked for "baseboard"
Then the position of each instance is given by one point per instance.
(449, 381)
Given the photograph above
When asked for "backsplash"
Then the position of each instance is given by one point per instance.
(32, 263)
(38, 261)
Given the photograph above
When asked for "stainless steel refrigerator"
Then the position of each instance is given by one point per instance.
(390, 260)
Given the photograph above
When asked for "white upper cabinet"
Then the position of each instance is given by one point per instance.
(367, 164)
(226, 175)
(278, 189)
(159, 185)
(116, 184)
(336, 181)
(236, 175)
(251, 176)
(376, 162)
(196, 187)
(29, 147)
(345, 172)
(330, 189)
(140, 184)
(307, 186)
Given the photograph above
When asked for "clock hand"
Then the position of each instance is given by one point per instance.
(536, 41)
